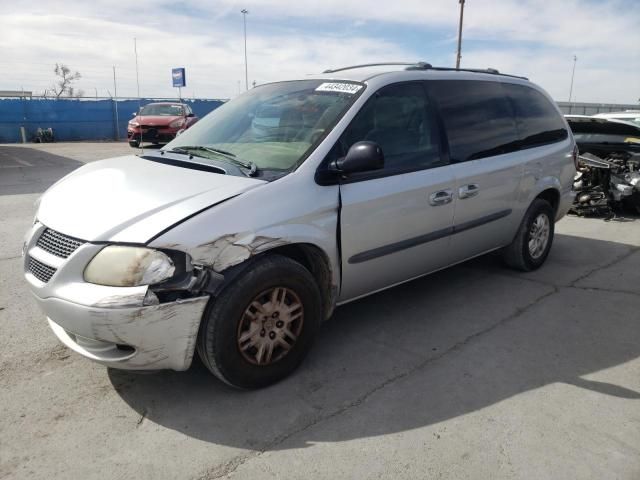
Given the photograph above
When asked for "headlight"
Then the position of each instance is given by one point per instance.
(118, 266)
(177, 123)
(134, 124)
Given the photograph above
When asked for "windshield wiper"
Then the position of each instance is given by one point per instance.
(252, 167)
(183, 151)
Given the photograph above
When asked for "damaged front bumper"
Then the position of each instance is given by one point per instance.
(142, 338)
(121, 327)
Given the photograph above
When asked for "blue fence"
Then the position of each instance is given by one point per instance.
(76, 119)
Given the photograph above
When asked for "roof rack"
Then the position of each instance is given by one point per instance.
(415, 65)
(492, 71)
(425, 66)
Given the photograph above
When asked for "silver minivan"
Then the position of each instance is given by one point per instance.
(240, 236)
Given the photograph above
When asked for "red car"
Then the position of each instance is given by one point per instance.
(159, 123)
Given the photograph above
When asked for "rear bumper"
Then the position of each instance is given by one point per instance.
(141, 338)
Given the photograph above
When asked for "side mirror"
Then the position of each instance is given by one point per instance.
(134, 114)
(190, 115)
(361, 157)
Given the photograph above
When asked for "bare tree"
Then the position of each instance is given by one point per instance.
(63, 86)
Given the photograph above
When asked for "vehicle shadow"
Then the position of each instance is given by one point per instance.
(433, 349)
(30, 170)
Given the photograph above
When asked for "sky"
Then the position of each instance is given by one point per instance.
(289, 39)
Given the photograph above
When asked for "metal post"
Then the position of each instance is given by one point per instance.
(244, 12)
(115, 97)
(459, 56)
(575, 59)
(23, 132)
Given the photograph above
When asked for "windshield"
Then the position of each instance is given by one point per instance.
(273, 126)
(162, 110)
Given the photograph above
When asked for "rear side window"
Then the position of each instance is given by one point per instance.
(539, 123)
(477, 117)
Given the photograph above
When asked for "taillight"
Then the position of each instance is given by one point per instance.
(576, 153)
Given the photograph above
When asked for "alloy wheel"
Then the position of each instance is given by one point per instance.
(539, 236)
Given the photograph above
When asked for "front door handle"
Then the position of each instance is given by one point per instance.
(441, 198)
(468, 191)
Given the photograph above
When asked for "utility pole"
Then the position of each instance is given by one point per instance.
(573, 72)
(135, 50)
(459, 56)
(244, 12)
(115, 98)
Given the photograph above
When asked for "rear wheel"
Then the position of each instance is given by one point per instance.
(532, 243)
(259, 329)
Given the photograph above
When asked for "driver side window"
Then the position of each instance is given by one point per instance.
(399, 119)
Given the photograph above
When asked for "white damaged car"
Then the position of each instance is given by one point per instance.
(240, 236)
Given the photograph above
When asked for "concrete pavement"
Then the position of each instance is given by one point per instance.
(471, 373)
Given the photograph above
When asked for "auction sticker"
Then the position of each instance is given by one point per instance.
(349, 88)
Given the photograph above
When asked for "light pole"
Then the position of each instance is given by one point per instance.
(135, 51)
(460, 34)
(244, 12)
(573, 72)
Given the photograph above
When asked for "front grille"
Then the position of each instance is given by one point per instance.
(41, 271)
(57, 243)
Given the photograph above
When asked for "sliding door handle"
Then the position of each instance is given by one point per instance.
(441, 198)
(468, 191)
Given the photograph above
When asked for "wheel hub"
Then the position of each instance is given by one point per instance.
(539, 235)
(270, 326)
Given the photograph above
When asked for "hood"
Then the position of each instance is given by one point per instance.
(156, 120)
(605, 126)
(130, 199)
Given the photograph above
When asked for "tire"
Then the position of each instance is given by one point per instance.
(134, 143)
(229, 319)
(520, 254)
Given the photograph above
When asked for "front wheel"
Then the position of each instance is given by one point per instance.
(532, 243)
(134, 143)
(261, 326)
